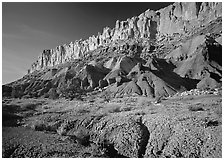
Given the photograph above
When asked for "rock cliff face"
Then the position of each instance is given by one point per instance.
(178, 18)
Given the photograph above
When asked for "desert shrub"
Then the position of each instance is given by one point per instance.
(212, 123)
(26, 96)
(83, 111)
(39, 127)
(46, 95)
(6, 91)
(33, 94)
(30, 106)
(218, 111)
(71, 92)
(115, 110)
(140, 113)
(143, 102)
(10, 119)
(16, 93)
(112, 108)
(107, 96)
(82, 136)
(46, 126)
(126, 109)
(93, 151)
(195, 108)
(62, 130)
(53, 93)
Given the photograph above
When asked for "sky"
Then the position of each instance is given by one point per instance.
(30, 27)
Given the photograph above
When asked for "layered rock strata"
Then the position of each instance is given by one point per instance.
(178, 18)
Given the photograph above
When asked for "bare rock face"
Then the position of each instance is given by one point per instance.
(177, 18)
(196, 58)
(122, 66)
(181, 17)
(208, 82)
(155, 54)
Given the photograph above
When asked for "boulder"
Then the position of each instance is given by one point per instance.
(208, 83)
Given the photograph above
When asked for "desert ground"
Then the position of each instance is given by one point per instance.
(133, 126)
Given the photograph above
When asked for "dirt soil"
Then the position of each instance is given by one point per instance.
(133, 126)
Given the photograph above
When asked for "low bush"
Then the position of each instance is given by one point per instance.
(16, 93)
(53, 93)
(72, 92)
(195, 108)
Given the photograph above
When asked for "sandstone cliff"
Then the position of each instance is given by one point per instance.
(178, 18)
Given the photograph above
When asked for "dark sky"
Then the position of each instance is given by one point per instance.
(28, 28)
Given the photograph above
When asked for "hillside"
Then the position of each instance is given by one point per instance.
(149, 87)
(180, 56)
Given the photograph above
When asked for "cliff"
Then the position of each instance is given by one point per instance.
(176, 18)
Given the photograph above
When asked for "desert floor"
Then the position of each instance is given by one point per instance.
(134, 126)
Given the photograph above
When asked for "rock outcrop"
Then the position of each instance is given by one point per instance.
(127, 138)
(142, 89)
(178, 18)
(155, 54)
(197, 58)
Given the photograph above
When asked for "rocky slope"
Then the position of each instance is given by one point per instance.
(157, 54)
(178, 18)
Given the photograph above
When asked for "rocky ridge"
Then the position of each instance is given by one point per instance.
(170, 62)
(178, 18)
